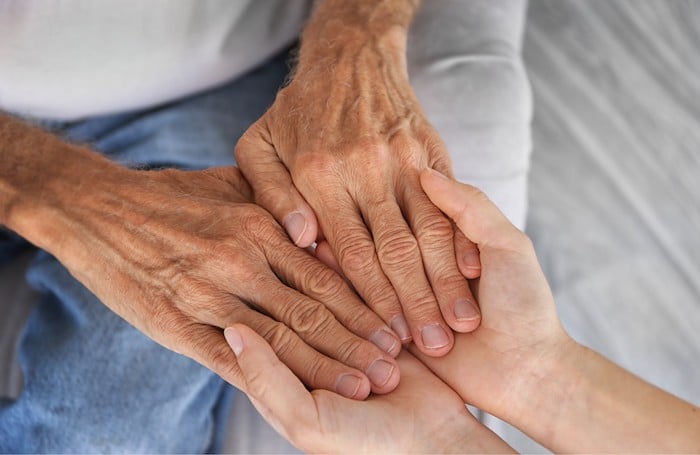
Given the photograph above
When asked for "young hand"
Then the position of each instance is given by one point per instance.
(422, 415)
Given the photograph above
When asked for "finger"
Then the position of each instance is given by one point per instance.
(317, 326)
(273, 187)
(206, 345)
(400, 258)
(313, 368)
(435, 236)
(353, 247)
(467, 253)
(324, 253)
(303, 272)
(274, 390)
(476, 216)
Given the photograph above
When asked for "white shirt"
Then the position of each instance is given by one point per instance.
(70, 59)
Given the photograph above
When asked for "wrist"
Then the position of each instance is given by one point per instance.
(546, 382)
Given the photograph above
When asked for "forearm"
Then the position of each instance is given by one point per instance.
(589, 404)
(41, 178)
(338, 25)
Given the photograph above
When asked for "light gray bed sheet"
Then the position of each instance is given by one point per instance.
(614, 191)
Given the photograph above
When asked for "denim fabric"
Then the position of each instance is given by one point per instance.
(93, 383)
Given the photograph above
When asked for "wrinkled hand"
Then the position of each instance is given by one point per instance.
(520, 336)
(181, 255)
(423, 415)
(346, 140)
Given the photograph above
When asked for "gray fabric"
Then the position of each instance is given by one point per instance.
(16, 300)
(465, 66)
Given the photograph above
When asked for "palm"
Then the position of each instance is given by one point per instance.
(422, 414)
(519, 323)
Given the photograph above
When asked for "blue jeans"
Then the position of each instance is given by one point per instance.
(93, 383)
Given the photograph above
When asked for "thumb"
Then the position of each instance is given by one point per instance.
(475, 215)
(273, 187)
(274, 390)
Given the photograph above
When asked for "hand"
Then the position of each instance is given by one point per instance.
(422, 415)
(181, 255)
(521, 366)
(520, 337)
(345, 140)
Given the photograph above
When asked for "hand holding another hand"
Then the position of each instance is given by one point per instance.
(423, 415)
(520, 336)
(181, 255)
(337, 157)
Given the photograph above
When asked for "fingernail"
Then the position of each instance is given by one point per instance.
(380, 372)
(233, 338)
(437, 174)
(434, 336)
(295, 224)
(384, 341)
(465, 310)
(348, 385)
(400, 326)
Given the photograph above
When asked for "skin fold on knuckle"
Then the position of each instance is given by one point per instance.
(322, 282)
(355, 348)
(164, 318)
(449, 284)
(396, 248)
(355, 254)
(262, 230)
(270, 194)
(422, 309)
(313, 163)
(434, 230)
(280, 338)
(309, 319)
(360, 321)
(320, 372)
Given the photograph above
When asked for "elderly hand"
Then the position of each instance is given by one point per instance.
(181, 255)
(422, 415)
(338, 157)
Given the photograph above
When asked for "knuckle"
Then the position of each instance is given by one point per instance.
(309, 318)
(279, 337)
(359, 320)
(314, 162)
(246, 144)
(317, 370)
(444, 280)
(351, 348)
(323, 282)
(271, 195)
(258, 224)
(356, 255)
(422, 307)
(382, 299)
(433, 227)
(229, 253)
(164, 318)
(397, 248)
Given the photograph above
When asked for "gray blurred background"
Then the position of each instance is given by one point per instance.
(615, 179)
